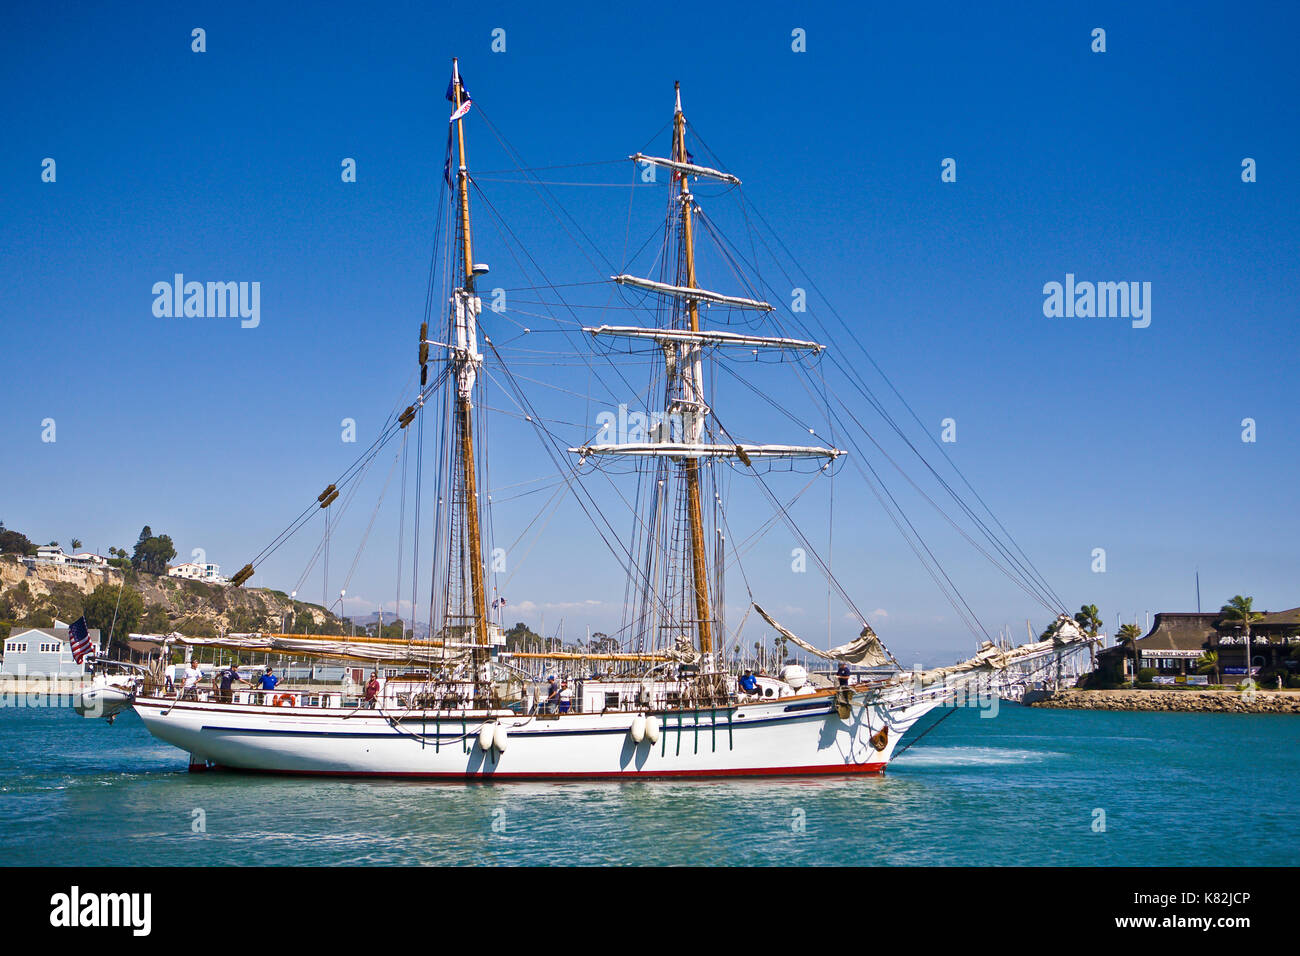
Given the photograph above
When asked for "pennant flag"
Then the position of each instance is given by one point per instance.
(79, 638)
(464, 97)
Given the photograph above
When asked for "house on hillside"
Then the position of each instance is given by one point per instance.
(190, 571)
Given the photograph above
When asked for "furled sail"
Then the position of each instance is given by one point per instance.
(1065, 633)
(685, 336)
(343, 648)
(668, 449)
(865, 650)
(690, 169)
(690, 292)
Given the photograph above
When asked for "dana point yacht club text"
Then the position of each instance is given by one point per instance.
(212, 300)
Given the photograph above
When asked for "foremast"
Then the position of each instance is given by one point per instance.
(466, 360)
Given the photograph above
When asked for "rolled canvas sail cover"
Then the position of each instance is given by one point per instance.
(865, 650)
(341, 647)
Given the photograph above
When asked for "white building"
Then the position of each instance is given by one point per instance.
(52, 554)
(190, 571)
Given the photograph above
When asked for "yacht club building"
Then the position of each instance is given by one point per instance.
(1178, 640)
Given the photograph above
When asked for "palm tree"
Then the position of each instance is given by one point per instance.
(1239, 609)
(76, 544)
(1089, 619)
(1208, 663)
(1128, 637)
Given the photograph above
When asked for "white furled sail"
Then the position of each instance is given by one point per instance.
(1066, 634)
(690, 169)
(707, 450)
(705, 338)
(343, 648)
(866, 649)
(690, 293)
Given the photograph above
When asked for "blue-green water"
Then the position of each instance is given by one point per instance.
(1024, 787)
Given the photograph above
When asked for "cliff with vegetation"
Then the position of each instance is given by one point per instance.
(150, 603)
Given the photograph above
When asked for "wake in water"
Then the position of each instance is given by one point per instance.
(972, 757)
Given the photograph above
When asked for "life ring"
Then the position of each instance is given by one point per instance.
(282, 700)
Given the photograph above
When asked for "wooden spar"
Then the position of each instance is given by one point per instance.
(571, 656)
(465, 412)
(693, 374)
(360, 639)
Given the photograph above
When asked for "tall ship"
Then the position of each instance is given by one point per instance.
(675, 692)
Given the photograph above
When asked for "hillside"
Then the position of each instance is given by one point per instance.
(36, 595)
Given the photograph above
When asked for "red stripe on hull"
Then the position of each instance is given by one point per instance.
(835, 770)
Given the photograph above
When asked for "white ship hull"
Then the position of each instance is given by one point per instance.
(801, 735)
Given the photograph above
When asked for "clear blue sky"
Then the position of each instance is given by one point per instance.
(1081, 433)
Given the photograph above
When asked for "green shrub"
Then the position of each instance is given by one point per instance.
(1146, 675)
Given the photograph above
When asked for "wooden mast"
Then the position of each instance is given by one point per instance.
(464, 403)
(692, 375)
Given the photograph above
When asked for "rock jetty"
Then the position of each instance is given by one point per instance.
(1189, 701)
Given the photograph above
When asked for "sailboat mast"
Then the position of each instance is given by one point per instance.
(692, 377)
(467, 339)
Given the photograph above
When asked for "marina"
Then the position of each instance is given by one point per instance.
(960, 797)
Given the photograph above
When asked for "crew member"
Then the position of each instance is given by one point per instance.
(267, 681)
(566, 698)
(372, 690)
(228, 678)
(552, 695)
(842, 672)
(193, 674)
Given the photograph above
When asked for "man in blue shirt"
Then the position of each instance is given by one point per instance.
(268, 680)
(228, 678)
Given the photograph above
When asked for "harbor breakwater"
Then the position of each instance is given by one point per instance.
(1186, 701)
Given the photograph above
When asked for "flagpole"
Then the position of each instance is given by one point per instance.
(109, 639)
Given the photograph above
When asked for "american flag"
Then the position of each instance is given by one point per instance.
(79, 638)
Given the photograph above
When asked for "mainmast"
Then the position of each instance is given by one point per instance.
(693, 397)
(683, 345)
(466, 360)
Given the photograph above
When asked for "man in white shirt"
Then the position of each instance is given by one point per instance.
(192, 677)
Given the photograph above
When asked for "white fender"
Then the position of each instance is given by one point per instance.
(638, 728)
(485, 737)
(500, 737)
(652, 729)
